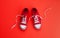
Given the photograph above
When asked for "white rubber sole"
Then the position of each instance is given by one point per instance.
(23, 27)
(37, 26)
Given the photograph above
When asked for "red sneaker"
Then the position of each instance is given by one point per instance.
(36, 18)
(22, 19)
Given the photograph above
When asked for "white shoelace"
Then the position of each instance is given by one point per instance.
(23, 20)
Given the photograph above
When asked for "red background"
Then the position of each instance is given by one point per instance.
(50, 25)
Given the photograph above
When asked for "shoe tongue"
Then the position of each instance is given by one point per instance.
(24, 14)
(35, 13)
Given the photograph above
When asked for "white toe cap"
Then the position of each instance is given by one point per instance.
(23, 27)
(37, 26)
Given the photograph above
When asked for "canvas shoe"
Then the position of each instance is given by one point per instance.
(36, 18)
(22, 19)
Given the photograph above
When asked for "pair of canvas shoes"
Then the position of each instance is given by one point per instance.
(23, 19)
